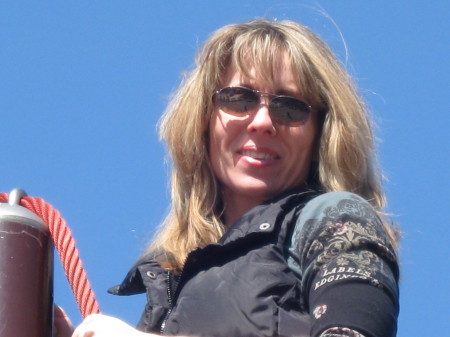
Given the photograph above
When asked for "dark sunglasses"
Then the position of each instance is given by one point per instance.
(240, 101)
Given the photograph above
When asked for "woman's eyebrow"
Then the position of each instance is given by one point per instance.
(288, 92)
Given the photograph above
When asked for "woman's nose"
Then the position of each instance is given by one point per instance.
(261, 121)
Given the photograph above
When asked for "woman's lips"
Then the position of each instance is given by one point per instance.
(258, 155)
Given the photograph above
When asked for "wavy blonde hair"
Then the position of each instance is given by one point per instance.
(346, 154)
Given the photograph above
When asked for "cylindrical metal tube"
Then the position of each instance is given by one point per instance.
(26, 273)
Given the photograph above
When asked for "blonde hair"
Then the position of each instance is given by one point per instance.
(346, 158)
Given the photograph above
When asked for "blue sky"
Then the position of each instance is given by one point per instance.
(82, 85)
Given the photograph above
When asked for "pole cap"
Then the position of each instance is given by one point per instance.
(13, 211)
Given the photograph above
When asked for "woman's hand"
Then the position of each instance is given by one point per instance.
(62, 326)
(105, 326)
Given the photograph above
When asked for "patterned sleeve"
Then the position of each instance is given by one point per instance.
(347, 266)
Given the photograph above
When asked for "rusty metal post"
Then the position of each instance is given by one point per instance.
(26, 272)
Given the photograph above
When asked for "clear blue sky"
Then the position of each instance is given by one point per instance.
(83, 83)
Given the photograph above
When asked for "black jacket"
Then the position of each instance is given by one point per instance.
(240, 286)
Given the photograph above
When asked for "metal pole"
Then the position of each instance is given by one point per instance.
(26, 272)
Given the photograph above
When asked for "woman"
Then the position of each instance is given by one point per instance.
(266, 134)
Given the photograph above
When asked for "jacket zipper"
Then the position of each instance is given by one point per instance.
(169, 298)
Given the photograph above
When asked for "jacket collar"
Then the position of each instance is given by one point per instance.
(263, 218)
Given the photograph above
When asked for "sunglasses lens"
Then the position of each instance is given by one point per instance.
(289, 110)
(237, 100)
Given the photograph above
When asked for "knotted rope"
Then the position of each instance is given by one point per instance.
(65, 245)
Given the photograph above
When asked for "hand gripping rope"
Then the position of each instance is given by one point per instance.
(65, 245)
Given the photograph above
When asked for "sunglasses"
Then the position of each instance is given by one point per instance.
(240, 101)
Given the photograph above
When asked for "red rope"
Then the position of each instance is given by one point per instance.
(65, 245)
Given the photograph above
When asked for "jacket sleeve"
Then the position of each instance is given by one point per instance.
(347, 266)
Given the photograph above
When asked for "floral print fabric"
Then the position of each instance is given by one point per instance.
(339, 241)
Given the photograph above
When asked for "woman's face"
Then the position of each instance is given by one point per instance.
(253, 157)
